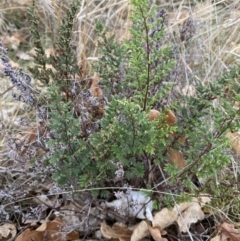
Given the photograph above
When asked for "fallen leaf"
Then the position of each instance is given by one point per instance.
(50, 231)
(49, 66)
(29, 235)
(7, 231)
(156, 232)
(228, 232)
(205, 198)
(50, 51)
(42, 228)
(191, 215)
(118, 231)
(216, 238)
(170, 116)
(96, 91)
(153, 114)
(144, 229)
(184, 214)
(14, 64)
(176, 158)
(140, 231)
(12, 42)
(165, 218)
(235, 141)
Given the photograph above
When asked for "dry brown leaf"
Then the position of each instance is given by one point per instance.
(14, 64)
(170, 118)
(190, 215)
(153, 114)
(156, 232)
(49, 66)
(190, 212)
(144, 229)
(164, 218)
(12, 42)
(140, 231)
(7, 231)
(216, 238)
(29, 235)
(31, 222)
(50, 51)
(176, 157)
(42, 228)
(205, 198)
(118, 231)
(49, 231)
(94, 88)
(236, 104)
(235, 141)
(228, 232)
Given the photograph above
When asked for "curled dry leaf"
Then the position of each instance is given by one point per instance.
(12, 42)
(153, 114)
(205, 198)
(50, 231)
(144, 229)
(140, 231)
(228, 232)
(7, 231)
(176, 157)
(235, 141)
(117, 231)
(94, 88)
(171, 119)
(50, 51)
(156, 232)
(29, 235)
(165, 218)
(190, 215)
(184, 214)
(216, 238)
